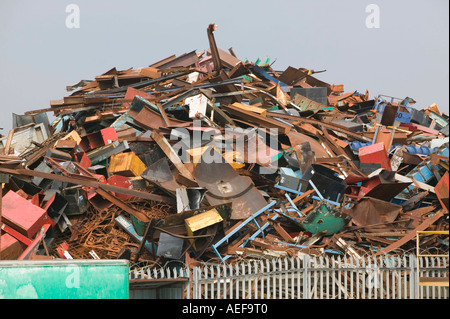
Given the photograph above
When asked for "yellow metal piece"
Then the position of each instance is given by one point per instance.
(433, 232)
(201, 221)
(197, 153)
(126, 164)
(72, 136)
(229, 156)
(434, 284)
(444, 164)
(433, 281)
(251, 108)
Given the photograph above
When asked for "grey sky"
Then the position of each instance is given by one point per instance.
(407, 56)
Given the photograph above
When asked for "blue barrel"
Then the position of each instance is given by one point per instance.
(411, 149)
(425, 150)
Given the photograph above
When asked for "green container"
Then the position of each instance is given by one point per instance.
(64, 279)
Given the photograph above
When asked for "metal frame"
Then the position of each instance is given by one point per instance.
(249, 219)
(443, 283)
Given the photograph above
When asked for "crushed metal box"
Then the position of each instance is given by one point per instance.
(375, 153)
(22, 215)
(126, 164)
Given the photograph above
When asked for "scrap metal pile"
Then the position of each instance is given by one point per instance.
(206, 157)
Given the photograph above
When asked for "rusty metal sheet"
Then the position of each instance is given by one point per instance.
(261, 153)
(389, 114)
(413, 159)
(160, 174)
(442, 191)
(172, 155)
(291, 75)
(417, 215)
(184, 60)
(370, 211)
(263, 122)
(297, 138)
(411, 235)
(306, 104)
(225, 185)
(226, 59)
(148, 118)
(335, 127)
(88, 183)
(132, 92)
(385, 136)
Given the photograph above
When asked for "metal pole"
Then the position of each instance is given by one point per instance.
(212, 45)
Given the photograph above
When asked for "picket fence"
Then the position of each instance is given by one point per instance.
(308, 277)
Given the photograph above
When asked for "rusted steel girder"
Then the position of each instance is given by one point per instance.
(79, 180)
(212, 44)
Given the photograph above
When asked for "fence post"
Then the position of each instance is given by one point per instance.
(306, 278)
(412, 278)
(195, 272)
(187, 286)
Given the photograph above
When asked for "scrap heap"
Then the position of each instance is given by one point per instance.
(206, 157)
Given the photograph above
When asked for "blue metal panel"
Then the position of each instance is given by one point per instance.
(325, 250)
(402, 117)
(249, 219)
(267, 76)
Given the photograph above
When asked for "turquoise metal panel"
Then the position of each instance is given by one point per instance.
(64, 279)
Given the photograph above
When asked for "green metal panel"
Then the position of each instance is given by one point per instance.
(64, 279)
(324, 217)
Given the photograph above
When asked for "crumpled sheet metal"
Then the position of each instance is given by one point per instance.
(371, 211)
(225, 185)
(297, 138)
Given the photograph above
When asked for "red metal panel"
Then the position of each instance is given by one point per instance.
(31, 250)
(417, 127)
(354, 190)
(98, 139)
(83, 159)
(375, 153)
(108, 135)
(10, 248)
(121, 181)
(368, 185)
(21, 215)
(37, 199)
(132, 92)
(102, 137)
(442, 191)
(24, 240)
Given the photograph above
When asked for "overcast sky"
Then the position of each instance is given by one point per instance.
(408, 55)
